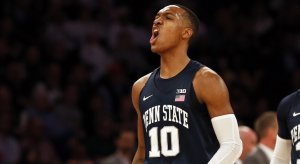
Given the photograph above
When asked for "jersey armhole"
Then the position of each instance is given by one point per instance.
(151, 74)
(193, 94)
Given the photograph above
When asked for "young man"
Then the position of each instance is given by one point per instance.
(287, 146)
(183, 108)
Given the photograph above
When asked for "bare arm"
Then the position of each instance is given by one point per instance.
(212, 91)
(139, 156)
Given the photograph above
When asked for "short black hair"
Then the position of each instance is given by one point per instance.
(193, 18)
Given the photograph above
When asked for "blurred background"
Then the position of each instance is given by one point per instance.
(67, 67)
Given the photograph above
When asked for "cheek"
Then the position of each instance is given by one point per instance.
(173, 29)
(172, 36)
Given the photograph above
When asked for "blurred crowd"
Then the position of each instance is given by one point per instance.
(67, 67)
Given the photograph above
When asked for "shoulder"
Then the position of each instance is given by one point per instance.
(211, 90)
(257, 156)
(136, 89)
(207, 76)
(258, 151)
(140, 83)
(207, 80)
(288, 99)
(286, 102)
(206, 72)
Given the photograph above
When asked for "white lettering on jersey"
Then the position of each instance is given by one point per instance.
(170, 113)
(295, 134)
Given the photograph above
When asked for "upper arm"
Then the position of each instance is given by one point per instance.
(135, 94)
(211, 90)
(136, 90)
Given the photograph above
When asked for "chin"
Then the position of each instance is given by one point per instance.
(153, 49)
(157, 50)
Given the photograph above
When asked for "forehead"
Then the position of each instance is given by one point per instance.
(171, 9)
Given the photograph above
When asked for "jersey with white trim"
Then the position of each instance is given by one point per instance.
(177, 127)
(288, 114)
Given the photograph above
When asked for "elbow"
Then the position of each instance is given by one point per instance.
(238, 148)
(228, 152)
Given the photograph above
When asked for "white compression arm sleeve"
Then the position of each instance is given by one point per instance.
(282, 151)
(226, 129)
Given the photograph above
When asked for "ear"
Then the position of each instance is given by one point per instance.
(187, 33)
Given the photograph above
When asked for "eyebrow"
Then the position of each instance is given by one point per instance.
(165, 13)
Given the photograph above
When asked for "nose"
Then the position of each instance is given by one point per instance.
(157, 21)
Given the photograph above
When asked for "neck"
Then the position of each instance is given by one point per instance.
(268, 142)
(172, 64)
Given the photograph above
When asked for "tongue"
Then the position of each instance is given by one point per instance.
(152, 39)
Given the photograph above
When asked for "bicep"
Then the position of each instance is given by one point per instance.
(135, 100)
(212, 91)
(140, 132)
(136, 89)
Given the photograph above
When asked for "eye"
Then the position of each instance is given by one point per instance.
(169, 16)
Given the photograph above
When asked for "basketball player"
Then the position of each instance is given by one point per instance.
(287, 146)
(184, 113)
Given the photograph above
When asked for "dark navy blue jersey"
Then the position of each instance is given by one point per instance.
(288, 114)
(177, 128)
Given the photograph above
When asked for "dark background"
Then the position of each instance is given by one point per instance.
(67, 67)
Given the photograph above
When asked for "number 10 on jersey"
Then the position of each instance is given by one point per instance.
(166, 150)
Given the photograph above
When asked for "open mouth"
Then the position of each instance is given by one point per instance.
(154, 36)
(155, 33)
